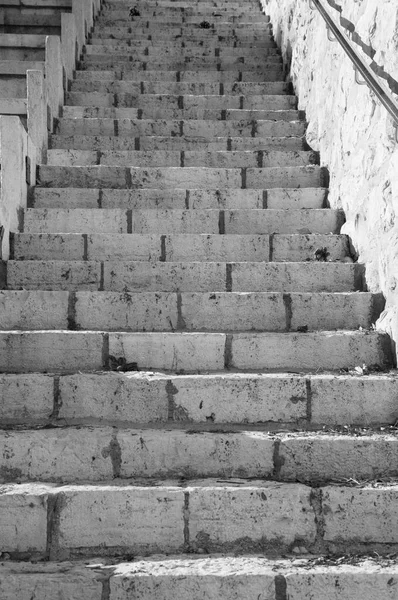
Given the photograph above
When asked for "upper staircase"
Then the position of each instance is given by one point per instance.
(188, 353)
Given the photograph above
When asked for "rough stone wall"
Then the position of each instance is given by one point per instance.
(349, 127)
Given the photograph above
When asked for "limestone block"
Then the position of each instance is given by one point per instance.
(360, 514)
(362, 582)
(323, 457)
(23, 517)
(296, 198)
(281, 221)
(302, 247)
(132, 518)
(170, 351)
(354, 400)
(145, 247)
(64, 198)
(48, 246)
(57, 455)
(308, 351)
(239, 398)
(175, 221)
(113, 311)
(295, 277)
(33, 310)
(256, 515)
(54, 275)
(202, 454)
(25, 398)
(75, 220)
(233, 311)
(141, 159)
(189, 177)
(48, 580)
(220, 247)
(166, 277)
(328, 311)
(50, 351)
(188, 578)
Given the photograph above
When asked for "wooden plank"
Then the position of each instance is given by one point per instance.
(20, 40)
(13, 106)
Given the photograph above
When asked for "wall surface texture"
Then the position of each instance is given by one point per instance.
(350, 128)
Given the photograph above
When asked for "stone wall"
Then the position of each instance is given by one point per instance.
(350, 128)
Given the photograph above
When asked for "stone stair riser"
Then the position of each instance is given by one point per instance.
(197, 221)
(230, 160)
(101, 143)
(144, 520)
(107, 453)
(119, 40)
(184, 277)
(184, 88)
(247, 74)
(188, 102)
(277, 198)
(63, 351)
(177, 247)
(248, 401)
(181, 177)
(167, 311)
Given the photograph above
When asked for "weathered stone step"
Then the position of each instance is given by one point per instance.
(135, 88)
(151, 51)
(101, 143)
(130, 276)
(187, 311)
(263, 401)
(175, 517)
(151, 47)
(215, 578)
(141, 221)
(177, 247)
(163, 158)
(247, 74)
(186, 102)
(181, 177)
(194, 35)
(179, 352)
(277, 198)
(163, 112)
(170, 29)
(152, 19)
(217, 42)
(49, 455)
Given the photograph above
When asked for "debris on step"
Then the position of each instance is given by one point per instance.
(120, 364)
(205, 25)
(134, 12)
(321, 254)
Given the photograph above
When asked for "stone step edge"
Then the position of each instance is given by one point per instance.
(106, 452)
(61, 522)
(357, 578)
(46, 399)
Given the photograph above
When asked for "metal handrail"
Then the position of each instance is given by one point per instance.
(379, 89)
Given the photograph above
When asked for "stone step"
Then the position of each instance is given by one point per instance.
(177, 247)
(143, 519)
(49, 455)
(135, 88)
(151, 51)
(247, 74)
(184, 352)
(176, 128)
(100, 143)
(194, 35)
(277, 198)
(212, 577)
(151, 47)
(130, 276)
(152, 19)
(188, 311)
(267, 47)
(197, 221)
(181, 177)
(163, 112)
(138, 63)
(170, 29)
(183, 102)
(163, 158)
(266, 402)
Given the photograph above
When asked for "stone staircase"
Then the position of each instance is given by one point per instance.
(191, 376)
